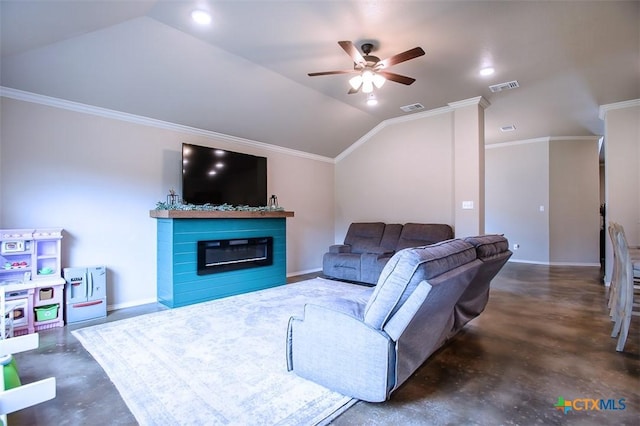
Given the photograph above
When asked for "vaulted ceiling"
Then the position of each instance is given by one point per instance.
(245, 74)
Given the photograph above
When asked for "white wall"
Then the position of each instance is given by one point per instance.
(622, 171)
(574, 201)
(543, 194)
(517, 184)
(98, 177)
(403, 173)
(407, 171)
(469, 181)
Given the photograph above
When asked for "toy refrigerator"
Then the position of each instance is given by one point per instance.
(85, 293)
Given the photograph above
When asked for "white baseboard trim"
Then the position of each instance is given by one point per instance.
(131, 304)
(308, 271)
(536, 262)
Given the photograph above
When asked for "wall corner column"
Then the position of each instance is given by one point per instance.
(468, 165)
(622, 172)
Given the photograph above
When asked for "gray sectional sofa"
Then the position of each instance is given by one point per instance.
(367, 348)
(368, 246)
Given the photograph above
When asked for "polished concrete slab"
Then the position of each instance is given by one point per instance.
(544, 335)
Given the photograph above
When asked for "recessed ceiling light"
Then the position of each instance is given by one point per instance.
(201, 17)
(487, 71)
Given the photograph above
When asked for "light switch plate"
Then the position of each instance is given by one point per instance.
(467, 205)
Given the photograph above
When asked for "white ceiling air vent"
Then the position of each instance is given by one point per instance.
(504, 86)
(412, 107)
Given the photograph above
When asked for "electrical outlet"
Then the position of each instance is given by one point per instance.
(516, 246)
(467, 205)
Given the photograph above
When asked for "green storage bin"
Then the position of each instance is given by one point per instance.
(46, 313)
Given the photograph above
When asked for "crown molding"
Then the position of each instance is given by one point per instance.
(574, 138)
(514, 143)
(604, 109)
(547, 139)
(478, 100)
(21, 95)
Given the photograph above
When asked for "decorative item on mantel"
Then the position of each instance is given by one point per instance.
(273, 202)
(172, 198)
(161, 205)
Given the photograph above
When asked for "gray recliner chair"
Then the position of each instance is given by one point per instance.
(367, 348)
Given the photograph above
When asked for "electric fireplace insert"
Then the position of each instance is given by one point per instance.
(216, 256)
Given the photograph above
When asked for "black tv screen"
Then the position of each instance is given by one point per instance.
(219, 176)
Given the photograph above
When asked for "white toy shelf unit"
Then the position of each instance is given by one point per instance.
(31, 278)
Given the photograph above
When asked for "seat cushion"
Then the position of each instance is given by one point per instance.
(345, 266)
(423, 234)
(406, 269)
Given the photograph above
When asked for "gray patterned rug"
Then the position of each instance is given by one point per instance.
(218, 362)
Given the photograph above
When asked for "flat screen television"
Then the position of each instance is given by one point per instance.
(219, 176)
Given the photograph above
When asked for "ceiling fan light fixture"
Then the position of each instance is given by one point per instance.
(367, 81)
(355, 82)
(367, 86)
(379, 80)
(371, 100)
(367, 65)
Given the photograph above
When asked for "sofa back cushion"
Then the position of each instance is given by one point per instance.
(489, 246)
(362, 236)
(406, 269)
(390, 236)
(423, 234)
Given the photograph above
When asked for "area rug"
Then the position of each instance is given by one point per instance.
(217, 362)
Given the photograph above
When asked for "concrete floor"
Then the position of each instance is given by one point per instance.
(544, 335)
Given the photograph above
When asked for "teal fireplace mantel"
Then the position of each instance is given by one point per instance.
(178, 233)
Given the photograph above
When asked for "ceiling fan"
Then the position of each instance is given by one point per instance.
(370, 69)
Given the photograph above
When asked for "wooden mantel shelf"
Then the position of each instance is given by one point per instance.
(215, 214)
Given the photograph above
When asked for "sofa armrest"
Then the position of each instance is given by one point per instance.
(339, 351)
(340, 248)
(397, 324)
